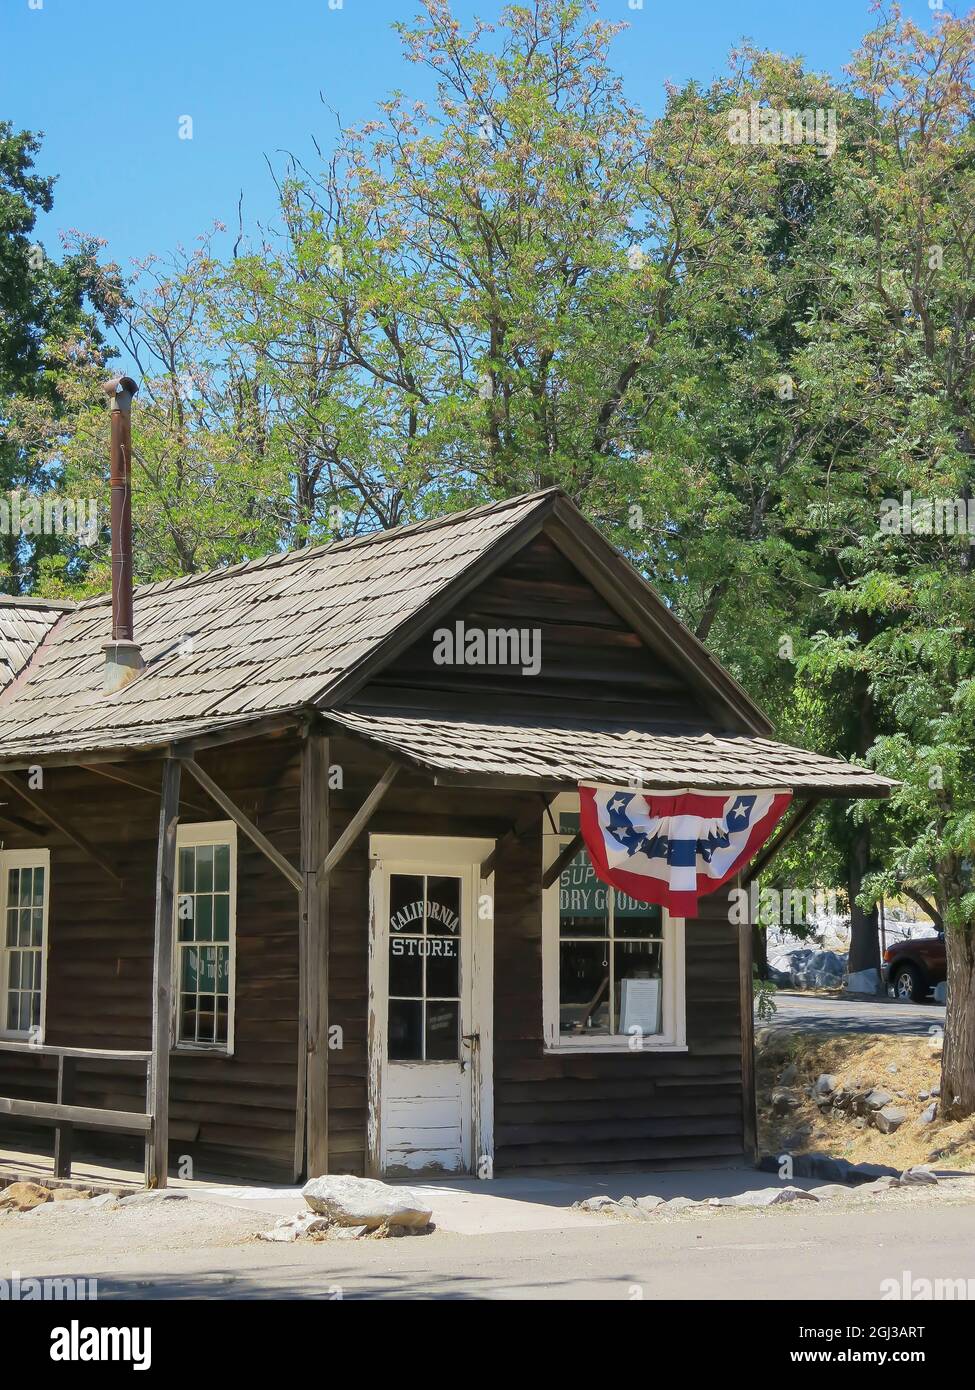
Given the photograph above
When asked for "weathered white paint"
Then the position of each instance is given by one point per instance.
(432, 1116)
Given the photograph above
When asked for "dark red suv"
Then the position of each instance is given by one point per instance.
(914, 966)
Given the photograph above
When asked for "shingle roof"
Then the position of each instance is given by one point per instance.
(266, 636)
(24, 623)
(573, 752)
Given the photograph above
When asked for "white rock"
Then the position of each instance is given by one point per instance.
(650, 1202)
(919, 1176)
(289, 1228)
(600, 1203)
(350, 1232)
(365, 1202)
(680, 1203)
(153, 1194)
(831, 1190)
(941, 992)
(863, 982)
(765, 1197)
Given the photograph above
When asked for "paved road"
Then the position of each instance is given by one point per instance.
(785, 1253)
(820, 1014)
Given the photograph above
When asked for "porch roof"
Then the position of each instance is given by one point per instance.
(457, 750)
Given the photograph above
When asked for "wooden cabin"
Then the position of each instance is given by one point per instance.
(307, 893)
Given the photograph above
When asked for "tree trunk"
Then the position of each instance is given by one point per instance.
(864, 934)
(958, 1063)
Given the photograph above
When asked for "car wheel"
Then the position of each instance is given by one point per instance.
(908, 984)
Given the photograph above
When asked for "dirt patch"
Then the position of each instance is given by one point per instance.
(58, 1230)
(857, 1061)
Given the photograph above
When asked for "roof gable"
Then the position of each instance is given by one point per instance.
(308, 628)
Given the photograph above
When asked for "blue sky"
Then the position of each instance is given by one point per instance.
(108, 83)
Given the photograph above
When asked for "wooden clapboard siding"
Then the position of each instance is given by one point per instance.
(578, 1109)
(592, 662)
(230, 1114)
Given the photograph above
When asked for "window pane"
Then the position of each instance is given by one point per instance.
(185, 904)
(222, 954)
(443, 906)
(568, 822)
(405, 903)
(443, 1034)
(187, 1015)
(203, 916)
(583, 987)
(205, 1018)
(190, 973)
(221, 868)
(14, 970)
(443, 969)
(637, 1002)
(221, 917)
(186, 884)
(38, 887)
(13, 888)
(12, 1009)
(583, 900)
(406, 966)
(12, 924)
(204, 868)
(633, 918)
(405, 1030)
(37, 926)
(222, 1021)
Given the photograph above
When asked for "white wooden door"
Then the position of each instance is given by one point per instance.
(426, 951)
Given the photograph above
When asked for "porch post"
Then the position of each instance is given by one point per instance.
(749, 1100)
(162, 975)
(312, 1109)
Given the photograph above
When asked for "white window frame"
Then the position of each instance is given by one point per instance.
(673, 1035)
(23, 859)
(210, 832)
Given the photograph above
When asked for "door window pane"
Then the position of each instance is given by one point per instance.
(443, 969)
(443, 906)
(405, 966)
(405, 1042)
(442, 1041)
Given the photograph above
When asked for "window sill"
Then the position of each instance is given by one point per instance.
(199, 1050)
(614, 1048)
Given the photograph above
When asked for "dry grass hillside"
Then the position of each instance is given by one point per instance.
(842, 1125)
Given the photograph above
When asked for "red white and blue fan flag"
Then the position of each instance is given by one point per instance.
(675, 847)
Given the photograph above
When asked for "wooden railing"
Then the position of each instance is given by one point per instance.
(64, 1115)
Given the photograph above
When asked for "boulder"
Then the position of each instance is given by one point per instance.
(889, 1119)
(863, 982)
(680, 1203)
(783, 1101)
(941, 992)
(107, 1201)
(765, 1197)
(876, 1099)
(348, 1201)
(831, 1190)
(600, 1203)
(24, 1196)
(919, 1176)
(936, 1090)
(650, 1202)
(355, 1232)
(929, 1114)
(826, 1084)
(70, 1194)
(788, 1075)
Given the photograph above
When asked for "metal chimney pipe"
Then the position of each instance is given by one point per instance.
(123, 659)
